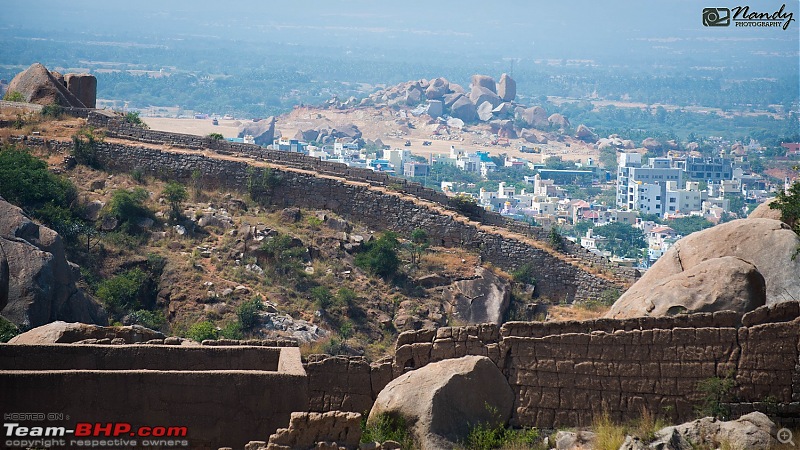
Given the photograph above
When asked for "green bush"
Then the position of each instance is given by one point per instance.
(788, 203)
(247, 313)
(345, 297)
(716, 392)
(387, 428)
(52, 111)
(202, 331)
(555, 239)
(216, 136)
(322, 297)
(154, 320)
(26, 182)
(525, 274)
(485, 437)
(232, 330)
(284, 253)
(128, 208)
(14, 96)
(380, 256)
(124, 292)
(7, 330)
(175, 194)
(466, 205)
(134, 119)
(84, 147)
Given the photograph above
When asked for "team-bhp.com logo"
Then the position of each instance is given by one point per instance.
(742, 16)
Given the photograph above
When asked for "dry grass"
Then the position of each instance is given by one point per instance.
(561, 313)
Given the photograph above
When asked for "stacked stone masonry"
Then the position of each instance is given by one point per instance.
(557, 279)
(117, 128)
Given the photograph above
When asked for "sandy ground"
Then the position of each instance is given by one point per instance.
(391, 127)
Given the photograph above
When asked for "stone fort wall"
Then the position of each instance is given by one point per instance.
(567, 373)
(557, 278)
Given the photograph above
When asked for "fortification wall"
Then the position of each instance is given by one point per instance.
(220, 394)
(115, 127)
(557, 279)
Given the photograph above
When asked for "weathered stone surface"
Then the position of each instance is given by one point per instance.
(585, 134)
(84, 87)
(764, 211)
(485, 111)
(480, 300)
(5, 277)
(307, 430)
(752, 431)
(480, 94)
(441, 400)
(719, 284)
(437, 89)
(263, 131)
(651, 144)
(39, 86)
(66, 333)
(435, 108)
(42, 282)
(558, 120)
(484, 81)
(507, 88)
(464, 109)
(570, 440)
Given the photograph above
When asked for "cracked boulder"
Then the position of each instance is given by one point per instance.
(483, 299)
(737, 266)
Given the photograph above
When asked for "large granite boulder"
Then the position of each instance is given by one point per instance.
(483, 299)
(441, 401)
(484, 81)
(66, 333)
(480, 94)
(585, 134)
(754, 431)
(42, 282)
(38, 85)
(731, 249)
(535, 117)
(437, 89)
(765, 211)
(558, 120)
(652, 144)
(507, 88)
(263, 131)
(464, 109)
(485, 111)
(84, 87)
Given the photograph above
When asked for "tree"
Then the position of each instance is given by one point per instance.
(789, 206)
(380, 256)
(134, 119)
(685, 226)
(419, 243)
(175, 194)
(128, 208)
(582, 227)
(623, 239)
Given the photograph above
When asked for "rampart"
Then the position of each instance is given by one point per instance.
(220, 394)
(115, 127)
(561, 278)
(567, 373)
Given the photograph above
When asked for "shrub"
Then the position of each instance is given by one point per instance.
(346, 329)
(716, 392)
(555, 239)
(247, 313)
(202, 331)
(387, 428)
(321, 296)
(25, 181)
(7, 330)
(608, 435)
(128, 207)
(284, 253)
(466, 205)
(124, 292)
(788, 203)
(419, 244)
(380, 256)
(154, 320)
(84, 147)
(216, 136)
(52, 111)
(345, 296)
(134, 119)
(525, 274)
(261, 182)
(14, 96)
(175, 194)
(232, 330)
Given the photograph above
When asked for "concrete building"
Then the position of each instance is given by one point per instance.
(416, 169)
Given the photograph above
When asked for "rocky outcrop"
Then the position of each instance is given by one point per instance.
(484, 81)
(480, 94)
(558, 120)
(464, 109)
(263, 131)
(651, 144)
(437, 89)
(38, 85)
(507, 88)
(740, 251)
(67, 333)
(483, 299)
(719, 284)
(84, 87)
(485, 111)
(42, 282)
(535, 117)
(585, 134)
(765, 211)
(441, 401)
(754, 431)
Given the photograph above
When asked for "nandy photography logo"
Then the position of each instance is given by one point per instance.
(743, 16)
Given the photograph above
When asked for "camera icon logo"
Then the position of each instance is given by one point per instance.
(716, 17)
